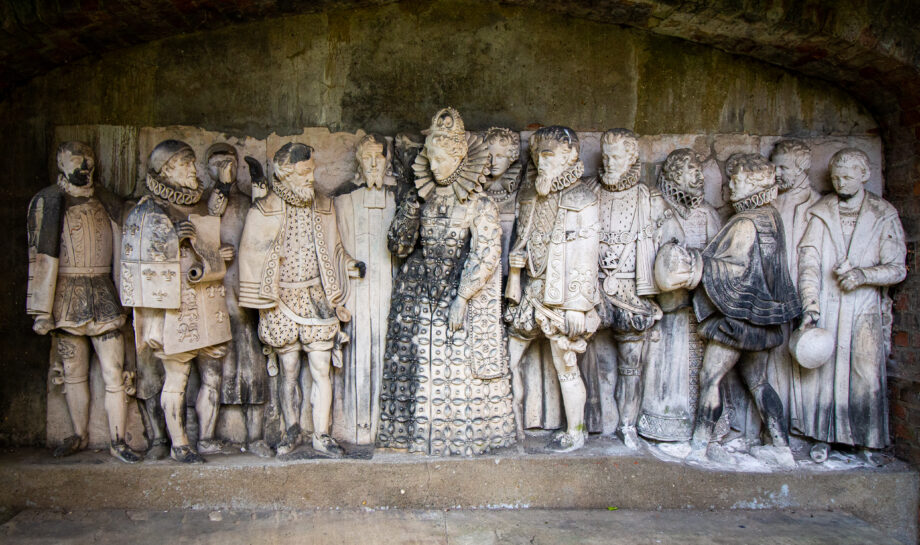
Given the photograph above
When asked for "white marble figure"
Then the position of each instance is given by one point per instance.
(852, 250)
(294, 269)
(792, 159)
(674, 353)
(557, 249)
(364, 217)
(173, 264)
(503, 180)
(744, 297)
(72, 228)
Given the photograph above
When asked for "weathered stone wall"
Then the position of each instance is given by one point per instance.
(384, 68)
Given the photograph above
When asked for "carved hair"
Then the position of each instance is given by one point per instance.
(507, 137)
(371, 138)
(677, 161)
(75, 148)
(612, 135)
(797, 149)
(164, 152)
(556, 133)
(751, 162)
(851, 156)
(289, 155)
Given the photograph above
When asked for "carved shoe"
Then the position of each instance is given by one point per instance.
(212, 446)
(260, 448)
(819, 452)
(71, 445)
(325, 444)
(630, 437)
(119, 449)
(186, 455)
(290, 440)
(565, 442)
(158, 450)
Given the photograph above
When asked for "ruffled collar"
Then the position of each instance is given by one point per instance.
(287, 195)
(757, 199)
(628, 179)
(174, 195)
(512, 175)
(466, 179)
(679, 199)
(569, 176)
(75, 190)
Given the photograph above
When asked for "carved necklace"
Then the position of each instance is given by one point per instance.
(757, 199)
(681, 200)
(626, 180)
(74, 190)
(287, 195)
(497, 189)
(174, 195)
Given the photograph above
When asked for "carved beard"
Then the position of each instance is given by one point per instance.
(79, 177)
(83, 189)
(374, 179)
(783, 184)
(303, 192)
(543, 184)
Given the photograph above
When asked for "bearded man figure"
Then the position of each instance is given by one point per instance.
(557, 246)
(446, 387)
(173, 264)
(294, 269)
(71, 228)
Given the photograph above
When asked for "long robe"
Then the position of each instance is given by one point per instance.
(844, 401)
(364, 216)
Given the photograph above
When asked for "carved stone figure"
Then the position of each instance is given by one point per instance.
(72, 226)
(503, 179)
(446, 387)
(364, 216)
(792, 159)
(173, 264)
(633, 221)
(294, 269)
(675, 352)
(240, 376)
(557, 245)
(745, 297)
(852, 250)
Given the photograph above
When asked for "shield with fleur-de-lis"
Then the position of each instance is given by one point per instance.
(149, 258)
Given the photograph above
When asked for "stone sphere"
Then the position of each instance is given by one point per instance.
(813, 347)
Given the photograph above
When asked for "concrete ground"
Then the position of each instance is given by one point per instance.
(447, 527)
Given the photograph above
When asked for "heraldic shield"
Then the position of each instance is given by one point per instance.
(150, 259)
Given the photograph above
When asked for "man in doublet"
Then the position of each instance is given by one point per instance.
(294, 269)
(557, 248)
(364, 216)
(173, 264)
(745, 297)
(71, 230)
(675, 352)
(446, 387)
(853, 249)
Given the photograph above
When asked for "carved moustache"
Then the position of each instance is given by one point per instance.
(80, 176)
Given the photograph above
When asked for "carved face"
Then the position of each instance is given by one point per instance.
(300, 179)
(443, 156)
(746, 183)
(690, 178)
(372, 163)
(218, 162)
(848, 179)
(788, 172)
(618, 156)
(180, 170)
(78, 169)
(500, 157)
(552, 158)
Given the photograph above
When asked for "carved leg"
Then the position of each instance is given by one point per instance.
(291, 398)
(74, 353)
(718, 360)
(110, 347)
(173, 401)
(754, 372)
(321, 401)
(516, 349)
(574, 397)
(255, 418)
(629, 389)
(207, 404)
(154, 427)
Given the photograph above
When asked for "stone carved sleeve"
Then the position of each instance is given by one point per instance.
(892, 252)
(809, 251)
(485, 248)
(403, 232)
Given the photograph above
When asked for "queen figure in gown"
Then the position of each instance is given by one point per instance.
(446, 385)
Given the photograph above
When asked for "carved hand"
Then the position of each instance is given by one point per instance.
(43, 324)
(517, 260)
(457, 314)
(574, 323)
(255, 169)
(809, 319)
(186, 230)
(225, 172)
(852, 279)
(357, 269)
(227, 252)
